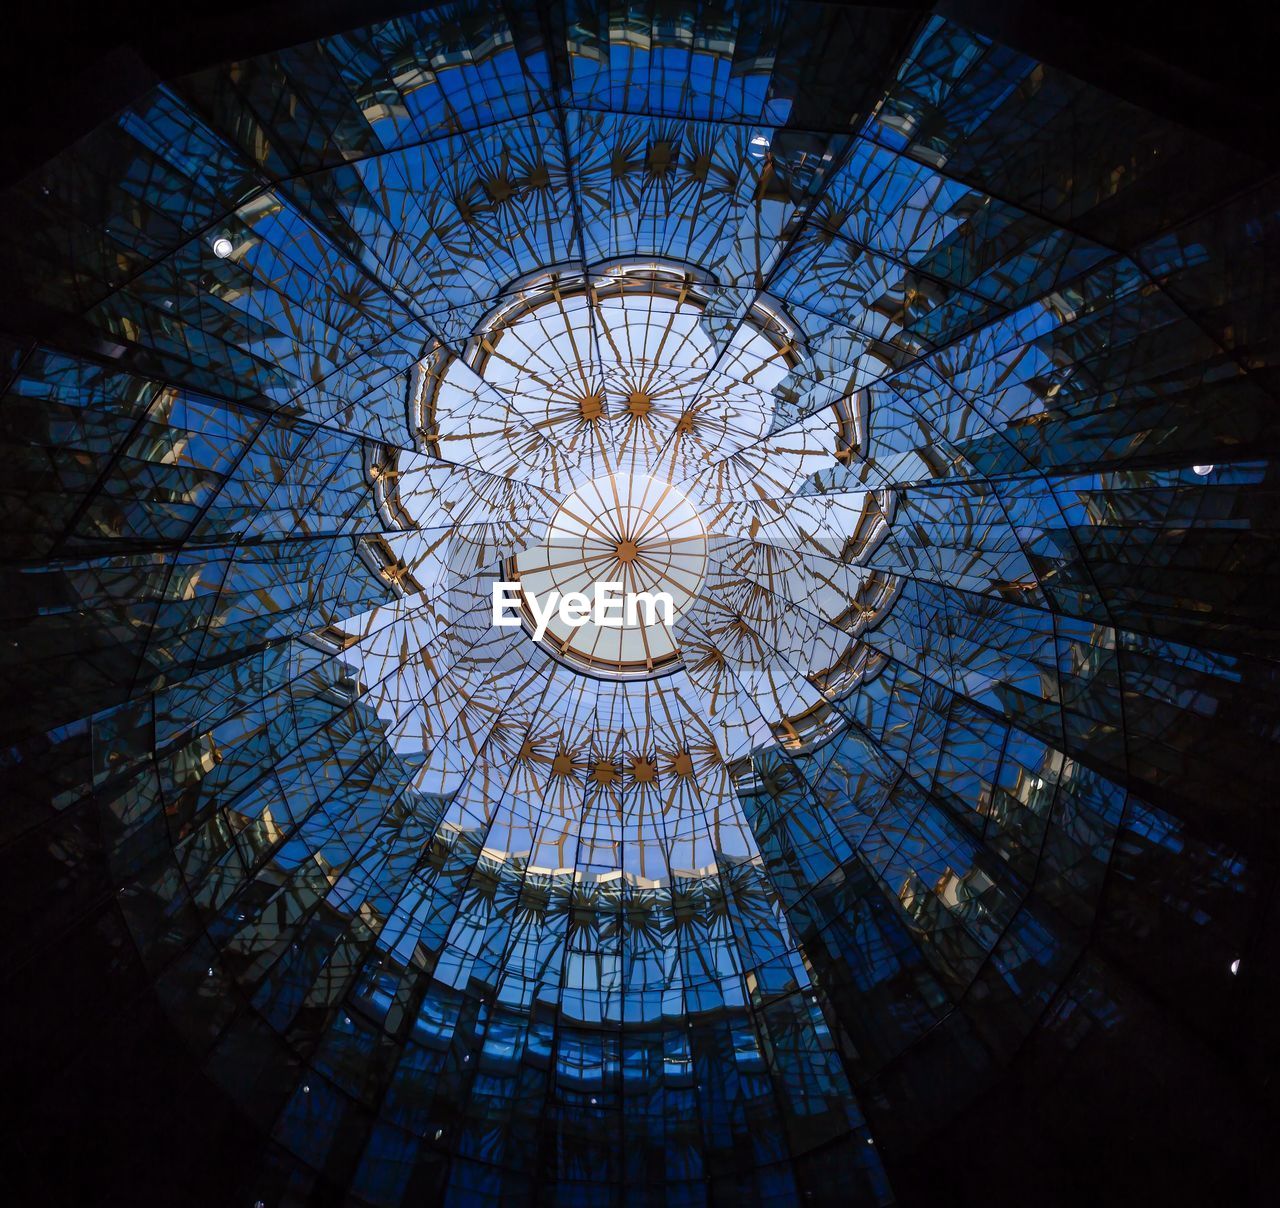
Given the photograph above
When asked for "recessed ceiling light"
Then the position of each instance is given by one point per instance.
(223, 247)
(1203, 471)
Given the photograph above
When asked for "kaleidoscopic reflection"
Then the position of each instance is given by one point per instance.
(629, 536)
(935, 422)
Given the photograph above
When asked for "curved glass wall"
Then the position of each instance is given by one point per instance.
(946, 425)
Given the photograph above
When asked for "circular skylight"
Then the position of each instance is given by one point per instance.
(633, 537)
(613, 427)
(646, 367)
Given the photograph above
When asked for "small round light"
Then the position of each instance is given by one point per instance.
(1235, 966)
(1203, 471)
(223, 247)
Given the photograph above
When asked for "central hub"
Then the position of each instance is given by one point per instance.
(639, 404)
(630, 538)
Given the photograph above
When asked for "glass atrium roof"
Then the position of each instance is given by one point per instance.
(923, 394)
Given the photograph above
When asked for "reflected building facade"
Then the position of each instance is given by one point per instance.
(956, 767)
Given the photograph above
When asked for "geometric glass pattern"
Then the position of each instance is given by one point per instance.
(936, 385)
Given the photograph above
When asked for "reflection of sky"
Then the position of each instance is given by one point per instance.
(580, 552)
(950, 365)
(758, 468)
(481, 713)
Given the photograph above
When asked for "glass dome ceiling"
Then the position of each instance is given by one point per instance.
(629, 536)
(908, 407)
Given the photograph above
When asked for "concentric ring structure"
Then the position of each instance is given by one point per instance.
(939, 386)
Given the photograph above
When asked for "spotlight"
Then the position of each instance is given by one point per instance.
(1203, 471)
(223, 247)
